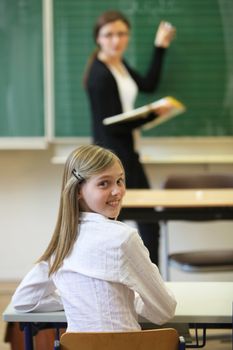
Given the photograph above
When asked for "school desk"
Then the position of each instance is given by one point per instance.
(213, 204)
(172, 204)
(200, 304)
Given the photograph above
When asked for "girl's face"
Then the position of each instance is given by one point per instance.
(113, 39)
(103, 193)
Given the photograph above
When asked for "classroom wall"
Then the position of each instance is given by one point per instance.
(30, 187)
(29, 190)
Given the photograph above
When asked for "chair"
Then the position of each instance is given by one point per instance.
(203, 260)
(156, 339)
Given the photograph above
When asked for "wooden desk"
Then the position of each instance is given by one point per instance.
(151, 198)
(214, 204)
(205, 304)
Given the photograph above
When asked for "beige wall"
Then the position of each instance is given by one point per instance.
(29, 190)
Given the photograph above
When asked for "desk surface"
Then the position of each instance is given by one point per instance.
(197, 302)
(148, 198)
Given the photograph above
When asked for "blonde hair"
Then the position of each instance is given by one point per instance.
(81, 164)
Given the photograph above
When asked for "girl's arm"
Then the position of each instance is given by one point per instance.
(37, 292)
(153, 300)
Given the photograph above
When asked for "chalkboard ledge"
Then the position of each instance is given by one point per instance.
(21, 143)
(183, 150)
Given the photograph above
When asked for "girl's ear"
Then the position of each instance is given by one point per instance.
(79, 192)
(79, 195)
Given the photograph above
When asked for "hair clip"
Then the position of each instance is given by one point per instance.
(77, 175)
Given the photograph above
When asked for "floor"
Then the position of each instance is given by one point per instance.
(217, 339)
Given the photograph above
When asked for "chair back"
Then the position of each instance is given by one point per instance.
(203, 260)
(156, 339)
(199, 181)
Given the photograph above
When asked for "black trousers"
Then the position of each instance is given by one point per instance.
(136, 178)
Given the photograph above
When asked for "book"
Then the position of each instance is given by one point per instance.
(176, 108)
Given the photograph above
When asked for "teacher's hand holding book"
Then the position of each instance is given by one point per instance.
(165, 107)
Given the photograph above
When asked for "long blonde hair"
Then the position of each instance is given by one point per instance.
(81, 164)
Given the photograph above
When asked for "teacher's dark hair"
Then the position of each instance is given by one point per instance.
(102, 20)
(108, 17)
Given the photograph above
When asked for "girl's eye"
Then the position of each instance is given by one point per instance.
(121, 181)
(103, 184)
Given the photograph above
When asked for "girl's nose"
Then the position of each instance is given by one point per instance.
(115, 190)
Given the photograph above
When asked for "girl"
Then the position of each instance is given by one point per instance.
(99, 265)
(112, 86)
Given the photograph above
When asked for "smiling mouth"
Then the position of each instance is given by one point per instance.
(114, 203)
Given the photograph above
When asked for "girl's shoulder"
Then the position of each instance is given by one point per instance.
(122, 232)
(119, 228)
(105, 230)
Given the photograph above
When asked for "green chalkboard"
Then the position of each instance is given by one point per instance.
(198, 67)
(21, 69)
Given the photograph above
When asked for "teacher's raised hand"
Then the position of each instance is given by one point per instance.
(165, 34)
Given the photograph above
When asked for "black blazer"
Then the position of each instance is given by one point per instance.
(105, 102)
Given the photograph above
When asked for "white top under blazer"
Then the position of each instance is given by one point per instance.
(126, 86)
(103, 284)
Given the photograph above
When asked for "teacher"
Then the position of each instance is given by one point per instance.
(112, 87)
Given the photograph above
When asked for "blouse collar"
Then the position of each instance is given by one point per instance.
(89, 216)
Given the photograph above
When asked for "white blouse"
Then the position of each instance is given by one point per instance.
(127, 87)
(104, 283)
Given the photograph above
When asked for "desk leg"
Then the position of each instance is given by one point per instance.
(199, 343)
(165, 250)
(28, 338)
